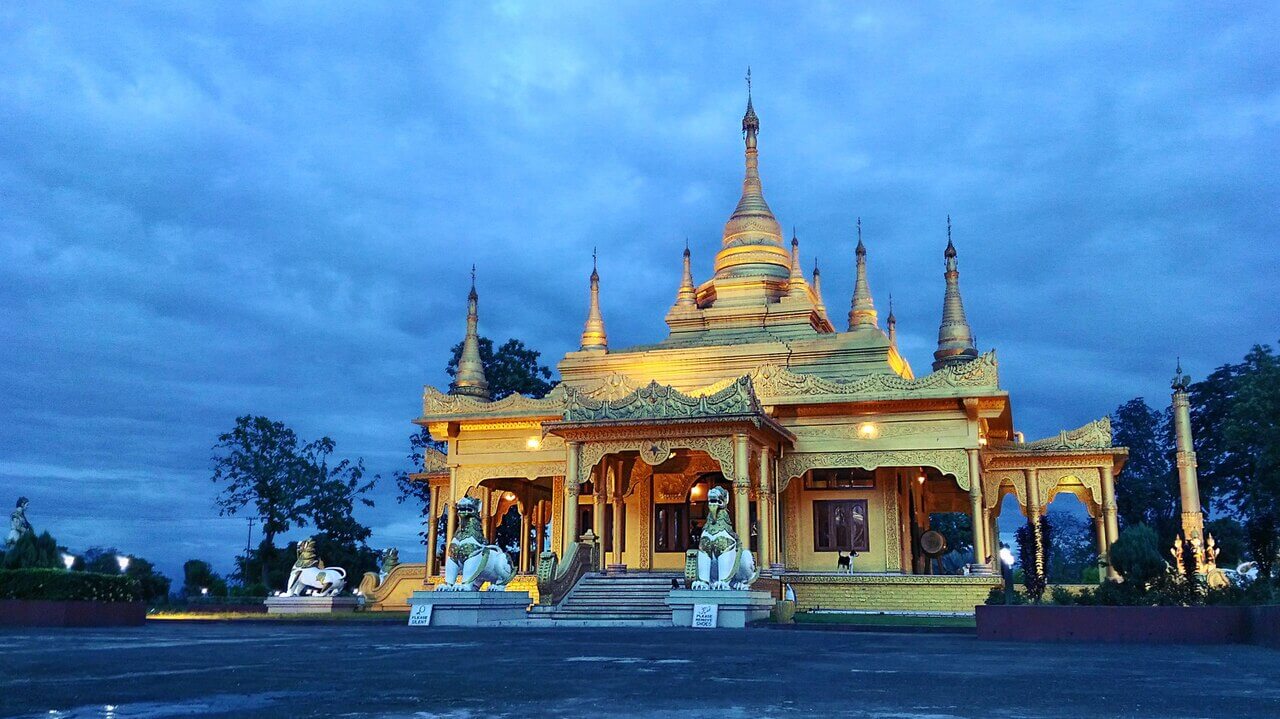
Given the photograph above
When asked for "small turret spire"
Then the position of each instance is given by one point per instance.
(593, 334)
(687, 295)
(892, 323)
(797, 281)
(469, 379)
(955, 339)
(817, 288)
(862, 311)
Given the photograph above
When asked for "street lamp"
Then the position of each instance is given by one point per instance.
(123, 561)
(1006, 556)
(68, 561)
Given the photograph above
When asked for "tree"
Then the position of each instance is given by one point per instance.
(410, 489)
(1136, 555)
(1147, 492)
(1073, 549)
(513, 369)
(102, 560)
(332, 491)
(197, 576)
(1251, 441)
(33, 551)
(259, 463)
(1033, 537)
(957, 527)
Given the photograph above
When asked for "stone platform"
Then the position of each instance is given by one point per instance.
(471, 609)
(311, 605)
(735, 608)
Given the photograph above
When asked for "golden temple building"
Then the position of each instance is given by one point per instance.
(834, 451)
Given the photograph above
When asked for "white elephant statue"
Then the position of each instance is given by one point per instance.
(471, 561)
(311, 577)
(723, 563)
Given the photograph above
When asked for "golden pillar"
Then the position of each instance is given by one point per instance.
(524, 536)
(571, 490)
(1111, 521)
(618, 509)
(599, 484)
(433, 514)
(980, 553)
(1188, 483)
(741, 487)
(764, 511)
(1100, 529)
(540, 531)
(452, 524)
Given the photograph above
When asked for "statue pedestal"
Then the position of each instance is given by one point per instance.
(734, 608)
(311, 605)
(468, 609)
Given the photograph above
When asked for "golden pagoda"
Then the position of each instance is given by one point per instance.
(835, 455)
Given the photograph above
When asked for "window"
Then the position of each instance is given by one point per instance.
(840, 526)
(841, 479)
(671, 528)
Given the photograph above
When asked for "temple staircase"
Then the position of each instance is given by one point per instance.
(634, 600)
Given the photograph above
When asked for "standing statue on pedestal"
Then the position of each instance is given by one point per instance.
(311, 577)
(723, 563)
(18, 524)
(471, 560)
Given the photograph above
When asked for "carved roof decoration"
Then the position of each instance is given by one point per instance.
(1094, 435)
(774, 382)
(662, 402)
(769, 383)
(433, 461)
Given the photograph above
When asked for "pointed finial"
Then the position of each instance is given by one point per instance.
(593, 332)
(469, 378)
(1181, 382)
(473, 294)
(950, 252)
(862, 249)
(956, 343)
(750, 123)
(862, 310)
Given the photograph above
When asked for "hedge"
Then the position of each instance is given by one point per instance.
(61, 585)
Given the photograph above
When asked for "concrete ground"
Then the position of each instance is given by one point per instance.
(353, 670)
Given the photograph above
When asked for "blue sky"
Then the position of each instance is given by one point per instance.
(213, 209)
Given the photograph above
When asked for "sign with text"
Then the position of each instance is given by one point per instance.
(705, 616)
(420, 615)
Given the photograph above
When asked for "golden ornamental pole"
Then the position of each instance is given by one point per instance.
(571, 490)
(741, 500)
(1188, 482)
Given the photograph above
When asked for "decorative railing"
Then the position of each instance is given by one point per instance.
(556, 579)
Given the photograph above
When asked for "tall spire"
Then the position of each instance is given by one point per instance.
(892, 323)
(593, 335)
(862, 312)
(817, 288)
(469, 379)
(752, 242)
(796, 276)
(955, 339)
(687, 296)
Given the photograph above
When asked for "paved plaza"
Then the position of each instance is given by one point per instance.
(356, 670)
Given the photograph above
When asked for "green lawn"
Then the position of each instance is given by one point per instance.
(162, 615)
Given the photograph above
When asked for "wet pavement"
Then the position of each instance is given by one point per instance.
(387, 671)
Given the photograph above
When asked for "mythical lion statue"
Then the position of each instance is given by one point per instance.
(471, 561)
(311, 577)
(723, 563)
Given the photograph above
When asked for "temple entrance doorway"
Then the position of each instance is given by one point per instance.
(678, 525)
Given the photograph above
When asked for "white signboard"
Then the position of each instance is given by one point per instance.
(420, 615)
(705, 616)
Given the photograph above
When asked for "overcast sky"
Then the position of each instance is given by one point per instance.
(213, 209)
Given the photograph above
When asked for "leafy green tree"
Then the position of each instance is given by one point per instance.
(1074, 548)
(1032, 558)
(33, 551)
(1147, 490)
(102, 560)
(260, 464)
(332, 491)
(413, 490)
(1251, 438)
(1229, 536)
(198, 575)
(512, 369)
(1136, 555)
(957, 527)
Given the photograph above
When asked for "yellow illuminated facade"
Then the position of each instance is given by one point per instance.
(835, 453)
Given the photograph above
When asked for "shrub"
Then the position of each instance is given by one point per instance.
(61, 585)
(1061, 595)
(997, 596)
(32, 551)
(1136, 556)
